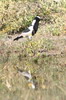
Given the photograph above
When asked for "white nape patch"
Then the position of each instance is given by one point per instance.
(38, 17)
(33, 22)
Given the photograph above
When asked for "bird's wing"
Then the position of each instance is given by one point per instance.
(26, 30)
(25, 33)
(18, 37)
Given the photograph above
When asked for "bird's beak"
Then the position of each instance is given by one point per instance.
(41, 20)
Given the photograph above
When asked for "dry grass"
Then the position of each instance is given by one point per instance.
(45, 59)
(16, 15)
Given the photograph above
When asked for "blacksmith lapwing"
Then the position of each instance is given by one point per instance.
(31, 30)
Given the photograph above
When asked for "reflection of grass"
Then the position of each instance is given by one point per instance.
(46, 69)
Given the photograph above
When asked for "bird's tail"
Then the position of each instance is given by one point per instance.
(17, 38)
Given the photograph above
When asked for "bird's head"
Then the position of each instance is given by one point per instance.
(38, 18)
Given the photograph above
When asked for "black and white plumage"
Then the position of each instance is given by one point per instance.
(31, 30)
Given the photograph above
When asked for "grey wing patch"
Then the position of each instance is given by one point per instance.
(26, 30)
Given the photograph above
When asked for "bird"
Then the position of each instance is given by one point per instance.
(28, 76)
(31, 30)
